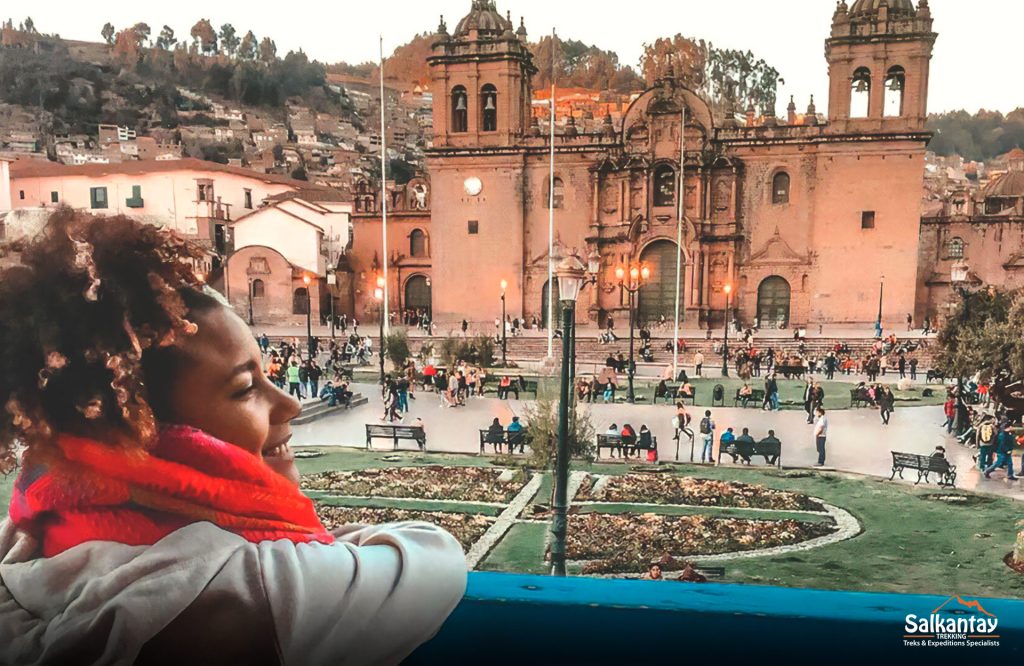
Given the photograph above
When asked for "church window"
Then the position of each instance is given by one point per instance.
(895, 84)
(460, 110)
(489, 108)
(474, 227)
(867, 219)
(664, 185)
(417, 243)
(860, 93)
(780, 188)
(559, 194)
(258, 289)
(955, 248)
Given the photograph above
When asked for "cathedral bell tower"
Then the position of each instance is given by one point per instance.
(481, 81)
(878, 57)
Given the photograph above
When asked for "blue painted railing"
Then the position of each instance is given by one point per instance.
(513, 619)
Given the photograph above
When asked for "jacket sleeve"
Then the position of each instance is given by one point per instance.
(371, 597)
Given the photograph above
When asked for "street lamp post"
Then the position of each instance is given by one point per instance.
(878, 322)
(378, 294)
(332, 281)
(570, 274)
(637, 276)
(306, 280)
(251, 322)
(958, 276)
(504, 343)
(725, 343)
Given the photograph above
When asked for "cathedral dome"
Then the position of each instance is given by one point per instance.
(1010, 184)
(485, 19)
(865, 7)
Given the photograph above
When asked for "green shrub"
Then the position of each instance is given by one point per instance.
(396, 348)
(542, 430)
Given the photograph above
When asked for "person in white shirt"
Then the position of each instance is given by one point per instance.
(820, 435)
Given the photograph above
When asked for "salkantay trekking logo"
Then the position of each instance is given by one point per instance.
(965, 624)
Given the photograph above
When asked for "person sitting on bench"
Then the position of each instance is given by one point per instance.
(771, 441)
(495, 434)
(504, 386)
(646, 442)
(744, 393)
(685, 390)
(628, 439)
(745, 444)
(662, 390)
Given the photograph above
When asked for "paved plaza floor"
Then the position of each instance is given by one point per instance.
(858, 442)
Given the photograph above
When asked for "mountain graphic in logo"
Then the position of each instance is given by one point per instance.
(974, 605)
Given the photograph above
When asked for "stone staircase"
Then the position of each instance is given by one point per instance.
(314, 410)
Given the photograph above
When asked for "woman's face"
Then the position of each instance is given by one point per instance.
(222, 390)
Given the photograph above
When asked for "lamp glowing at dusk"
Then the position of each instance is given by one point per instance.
(380, 282)
(645, 273)
(504, 285)
(620, 273)
(727, 289)
(378, 294)
(306, 280)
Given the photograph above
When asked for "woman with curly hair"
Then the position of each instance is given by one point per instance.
(156, 516)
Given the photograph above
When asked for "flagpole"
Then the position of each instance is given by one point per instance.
(384, 194)
(551, 213)
(679, 233)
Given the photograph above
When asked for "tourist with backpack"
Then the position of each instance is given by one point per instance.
(1005, 444)
(707, 433)
(986, 443)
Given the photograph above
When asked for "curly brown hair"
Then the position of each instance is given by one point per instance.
(93, 302)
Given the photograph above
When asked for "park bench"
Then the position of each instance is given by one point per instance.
(612, 442)
(491, 385)
(771, 452)
(859, 398)
(396, 433)
(755, 399)
(672, 395)
(924, 465)
(509, 439)
(791, 371)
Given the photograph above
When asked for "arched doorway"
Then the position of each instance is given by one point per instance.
(544, 306)
(773, 297)
(658, 297)
(417, 294)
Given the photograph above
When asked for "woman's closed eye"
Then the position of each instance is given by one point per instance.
(238, 395)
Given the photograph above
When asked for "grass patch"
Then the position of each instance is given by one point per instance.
(522, 550)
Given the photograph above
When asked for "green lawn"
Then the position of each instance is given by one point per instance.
(910, 541)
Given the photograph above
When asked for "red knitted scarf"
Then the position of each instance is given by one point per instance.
(88, 491)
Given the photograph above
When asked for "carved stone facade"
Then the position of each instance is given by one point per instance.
(803, 219)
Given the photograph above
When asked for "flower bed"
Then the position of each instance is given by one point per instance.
(628, 543)
(465, 527)
(466, 484)
(686, 490)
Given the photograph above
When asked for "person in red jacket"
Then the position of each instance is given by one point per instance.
(950, 410)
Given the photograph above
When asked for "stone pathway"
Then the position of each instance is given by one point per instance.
(858, 442)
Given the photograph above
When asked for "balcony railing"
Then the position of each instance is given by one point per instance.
(513, 619)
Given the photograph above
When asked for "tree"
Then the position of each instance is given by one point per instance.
(247, 49)
(582, 66)
(268, 50)
(979, 335)
(30, 26)
(108, 33)
(396, 348)
(229, 39)
(142, 31)
(127, 46)
(204, 36)
(166, 39)
(979, 137)
(542, 433)
(724, 77)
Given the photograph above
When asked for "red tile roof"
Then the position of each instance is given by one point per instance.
(40, 168)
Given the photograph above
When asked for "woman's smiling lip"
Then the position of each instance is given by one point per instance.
(278, 448)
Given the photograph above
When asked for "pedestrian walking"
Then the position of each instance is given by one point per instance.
(698, 364)
(1005, 443)
(707, 433)
(886, 402)
(294, 380)
(821, 435)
